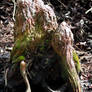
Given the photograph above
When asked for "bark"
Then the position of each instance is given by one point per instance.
(62, 43)
(33, 21)
(35, 24)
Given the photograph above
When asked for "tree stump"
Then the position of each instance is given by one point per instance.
(36, 30)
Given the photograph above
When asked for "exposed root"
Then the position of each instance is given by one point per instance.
(24, 75)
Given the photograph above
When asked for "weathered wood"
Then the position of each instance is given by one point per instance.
(62, 43)
(35, 24)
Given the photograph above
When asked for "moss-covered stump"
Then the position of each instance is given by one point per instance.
(36, 31)
(62, 43)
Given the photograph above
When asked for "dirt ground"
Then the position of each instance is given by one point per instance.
(75, 12)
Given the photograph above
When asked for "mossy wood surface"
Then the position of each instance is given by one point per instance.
(36, 28)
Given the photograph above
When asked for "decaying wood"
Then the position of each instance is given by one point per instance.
(62, 43)
(34, 22)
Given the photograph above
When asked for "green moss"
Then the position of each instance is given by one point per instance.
(18, 59)
(76, 61)
(19, 48)
(17, 44)
(68, 73)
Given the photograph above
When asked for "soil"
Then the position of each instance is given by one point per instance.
(81, 23)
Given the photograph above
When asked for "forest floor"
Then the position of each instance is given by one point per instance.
(82, 34)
